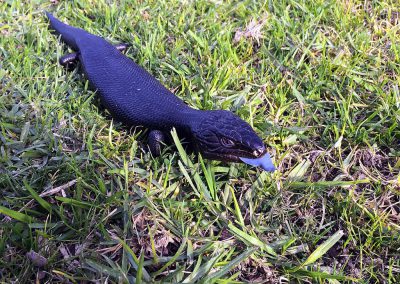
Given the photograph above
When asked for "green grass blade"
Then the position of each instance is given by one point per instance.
(323, 248)
(36, 196)
(74, 202)
(203, 270)
(251, 240)
(237, 208)
(103, 269)
(16, 215)
(139, 273)
(323, 184)
(232, 264)
(324, 275)
(136, 262)
(172, 260)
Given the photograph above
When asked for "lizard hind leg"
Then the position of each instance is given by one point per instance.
(122, 47)
(69, 61)
(156, 141)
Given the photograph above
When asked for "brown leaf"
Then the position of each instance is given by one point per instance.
(145, 15)
(252, 31)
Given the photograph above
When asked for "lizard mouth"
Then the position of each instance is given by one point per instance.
(263, 162)
(258, 158)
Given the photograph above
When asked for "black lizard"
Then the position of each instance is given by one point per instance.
(135, 97)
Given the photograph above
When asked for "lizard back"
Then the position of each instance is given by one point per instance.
(129, 92)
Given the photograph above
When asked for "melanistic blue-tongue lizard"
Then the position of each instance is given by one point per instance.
(136, 98)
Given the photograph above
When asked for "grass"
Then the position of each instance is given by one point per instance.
(82, 199)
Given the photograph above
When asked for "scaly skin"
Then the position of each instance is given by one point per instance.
(135, 97)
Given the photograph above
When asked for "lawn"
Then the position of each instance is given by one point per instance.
(82, 199)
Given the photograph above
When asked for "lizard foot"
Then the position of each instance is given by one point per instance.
(156, 140)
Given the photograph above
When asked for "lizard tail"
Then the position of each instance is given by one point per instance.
(68, 34)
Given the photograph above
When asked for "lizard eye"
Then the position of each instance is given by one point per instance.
(226, 142)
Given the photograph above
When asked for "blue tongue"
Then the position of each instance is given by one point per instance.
(263, 162)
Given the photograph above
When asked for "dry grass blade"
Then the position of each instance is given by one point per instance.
(58, 189)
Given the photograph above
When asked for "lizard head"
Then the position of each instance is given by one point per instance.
(222, 135)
